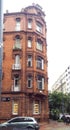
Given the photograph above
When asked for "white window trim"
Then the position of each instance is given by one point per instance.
(39, 27)
(29, 23)
(40, 63)
(17, 59)
(29, 43)
(16, 87)
(42, 83)
(13, 103)
(30, 78)
(17, 27)
(29, 60)
(39, 46)
(39, 111)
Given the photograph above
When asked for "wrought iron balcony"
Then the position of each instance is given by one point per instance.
(16, 66)
(15, 88)
(17, 47)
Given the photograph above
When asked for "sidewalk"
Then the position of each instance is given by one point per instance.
(54, 125)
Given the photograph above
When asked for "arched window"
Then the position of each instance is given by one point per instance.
(17, 44)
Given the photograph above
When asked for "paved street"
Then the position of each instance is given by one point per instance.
(54, 125)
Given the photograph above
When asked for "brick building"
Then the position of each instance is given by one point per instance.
(25, 78)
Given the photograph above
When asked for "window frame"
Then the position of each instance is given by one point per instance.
(39, 45)
(40, 82)
(29, 43)
(17, 28)
(17, 59)
(37, 104)
(30, 23)
(29, 61)
(29, 79)
(14, 103)
(39, 27)
(40, 63)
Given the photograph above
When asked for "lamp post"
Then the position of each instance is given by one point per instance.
(1, 44)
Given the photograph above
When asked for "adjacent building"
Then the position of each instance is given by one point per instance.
(63, 82)
(25, 75)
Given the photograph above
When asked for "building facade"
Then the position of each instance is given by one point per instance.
(25, 76)
(63, 82)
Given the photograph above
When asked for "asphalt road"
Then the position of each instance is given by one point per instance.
(54, 125)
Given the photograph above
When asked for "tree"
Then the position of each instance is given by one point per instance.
(58, 103)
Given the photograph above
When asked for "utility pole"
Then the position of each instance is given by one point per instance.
(1, 43)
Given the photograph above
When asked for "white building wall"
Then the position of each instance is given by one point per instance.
(63, 82)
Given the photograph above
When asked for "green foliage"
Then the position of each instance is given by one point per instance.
(59, 103)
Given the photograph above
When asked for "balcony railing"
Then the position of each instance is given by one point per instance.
(15, 88)
(16, 66)
(17, 46)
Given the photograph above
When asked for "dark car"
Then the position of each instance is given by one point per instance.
(20, 123)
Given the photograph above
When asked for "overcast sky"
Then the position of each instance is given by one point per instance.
(58, 32)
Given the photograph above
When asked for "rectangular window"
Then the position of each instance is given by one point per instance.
(29, 43)
(36, 107)
(29, 23)
(40, 63)
(40, 83)
(39, 45)
(17, 65)
(29, 82)
(15, 108)
(17, 44)
(16, 84)
(29, 61)
(17, 24)
(17, 59)
(39, 27)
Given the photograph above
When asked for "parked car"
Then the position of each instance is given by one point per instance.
(20, 123)
(65, 117)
